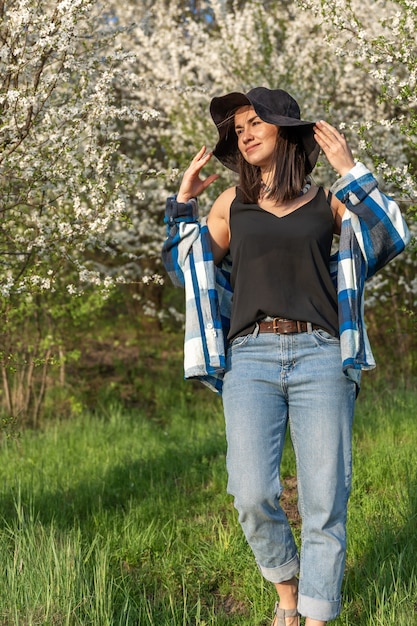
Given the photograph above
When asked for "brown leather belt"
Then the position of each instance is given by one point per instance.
(281, 326)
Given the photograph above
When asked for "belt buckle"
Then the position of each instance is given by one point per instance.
(275, 325)
(282, 326)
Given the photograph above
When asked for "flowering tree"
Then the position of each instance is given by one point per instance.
(352, 63)
(63, 178)
(84, 165)
(104, 105)
(378, 46)
(57, 137)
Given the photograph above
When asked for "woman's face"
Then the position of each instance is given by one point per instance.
(256, 139)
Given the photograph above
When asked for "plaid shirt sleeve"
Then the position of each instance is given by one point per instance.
(182, 229)
(375, 218)
(188, 259)
(373, 233)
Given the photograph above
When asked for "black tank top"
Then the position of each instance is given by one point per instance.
(280, 265)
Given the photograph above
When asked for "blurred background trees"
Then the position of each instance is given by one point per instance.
(102, 107)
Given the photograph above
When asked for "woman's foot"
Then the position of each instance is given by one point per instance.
(286, 613)
(285, 617)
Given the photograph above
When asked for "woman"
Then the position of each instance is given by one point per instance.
(296, 342)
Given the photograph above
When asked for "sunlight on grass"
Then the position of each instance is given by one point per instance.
(122, 518)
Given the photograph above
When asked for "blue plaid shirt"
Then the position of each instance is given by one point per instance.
(373, 232)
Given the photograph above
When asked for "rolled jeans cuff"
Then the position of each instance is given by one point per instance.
(322, 610)
(282, 573)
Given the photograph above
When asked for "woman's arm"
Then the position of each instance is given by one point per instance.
(183, 223)
(339, 155)
(218, 223)
(192, 185)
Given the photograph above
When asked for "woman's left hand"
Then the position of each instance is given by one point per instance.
(334, 146)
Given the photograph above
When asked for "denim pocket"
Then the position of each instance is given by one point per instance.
(324, 337)
(240, 341)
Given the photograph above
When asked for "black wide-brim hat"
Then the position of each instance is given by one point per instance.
(274, 106)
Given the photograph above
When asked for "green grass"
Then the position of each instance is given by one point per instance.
(121, 517)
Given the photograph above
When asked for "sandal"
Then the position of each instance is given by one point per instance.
(281, 614)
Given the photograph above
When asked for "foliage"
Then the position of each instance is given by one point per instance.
(336, 60)
(99, 114)
(61, 180)
(103, 105)
(40, 340)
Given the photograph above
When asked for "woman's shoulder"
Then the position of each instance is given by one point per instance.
(338, 209)
(218, 223)
(228, 195)
(224, 200)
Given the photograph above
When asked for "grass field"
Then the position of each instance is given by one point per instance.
(120, 517)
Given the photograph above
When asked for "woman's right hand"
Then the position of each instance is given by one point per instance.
(192, 185)
(334, 146)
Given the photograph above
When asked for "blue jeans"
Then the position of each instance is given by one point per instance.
(272, 380)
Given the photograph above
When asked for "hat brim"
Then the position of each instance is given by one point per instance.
(222, 110)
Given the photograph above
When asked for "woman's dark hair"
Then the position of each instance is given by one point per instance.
(291, 169)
